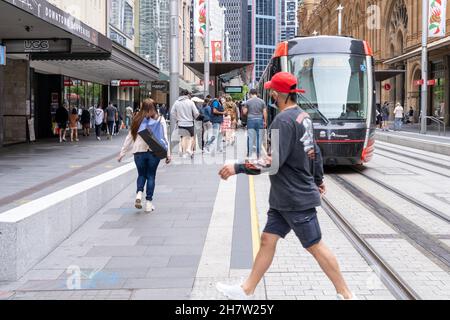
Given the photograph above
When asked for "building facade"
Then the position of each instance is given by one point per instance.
(288, 20)
(235, 23)
(121, 15)
(393, 28)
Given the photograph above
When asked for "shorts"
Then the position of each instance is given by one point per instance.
(62, 126)
(190, 130)
(304, 223)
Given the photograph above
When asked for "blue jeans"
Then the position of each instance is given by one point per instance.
(146, 164)
(398, 123)
(217, 134)
(254, 127)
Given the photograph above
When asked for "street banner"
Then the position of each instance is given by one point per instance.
(437, 18)
(199, 18)
(216, 51)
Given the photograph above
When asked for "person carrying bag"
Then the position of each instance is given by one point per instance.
(148, 142)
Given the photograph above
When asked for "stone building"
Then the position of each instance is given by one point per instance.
(393, 28)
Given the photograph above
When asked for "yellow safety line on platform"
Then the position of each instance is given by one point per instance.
(256, 237)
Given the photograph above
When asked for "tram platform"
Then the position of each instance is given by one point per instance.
(431, 142)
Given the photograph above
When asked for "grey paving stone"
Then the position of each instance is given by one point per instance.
(116, 251)
(138, 262)
(149, 241)
(161, 294)
(161, 283)
(184, 261)
(169, 272)
(163, 250)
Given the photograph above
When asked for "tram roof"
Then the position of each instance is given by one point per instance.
(327, 44)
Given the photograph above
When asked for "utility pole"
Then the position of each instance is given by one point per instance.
(174, 54)
(207, 46)
(424, 97)
(340, 8)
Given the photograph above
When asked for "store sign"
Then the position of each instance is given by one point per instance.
(38, 45)
(2, 56)
(437, 18)
(48, 12)
(68, 83)
(387, 87)
(418, 82)
(432, 82)
(160, 86)
(125, 83)
(233, 89)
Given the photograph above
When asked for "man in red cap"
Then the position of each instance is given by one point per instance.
(296, 177)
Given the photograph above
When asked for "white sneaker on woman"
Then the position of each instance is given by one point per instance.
(233, 292)
(341, 297)
(149, 207)
(138, 202)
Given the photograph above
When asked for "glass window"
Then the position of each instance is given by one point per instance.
(336, 83)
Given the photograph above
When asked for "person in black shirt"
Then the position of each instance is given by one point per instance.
(296, 175)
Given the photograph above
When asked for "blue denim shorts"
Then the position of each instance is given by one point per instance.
(304, 223)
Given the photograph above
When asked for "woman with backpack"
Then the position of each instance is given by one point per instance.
(146, 161)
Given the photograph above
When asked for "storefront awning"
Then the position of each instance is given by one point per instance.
(120, 64)
(217, 68)
(431, 46)
(382, 75)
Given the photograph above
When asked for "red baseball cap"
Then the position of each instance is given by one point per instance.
(283, 82)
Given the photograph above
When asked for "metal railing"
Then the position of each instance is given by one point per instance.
(439, 122)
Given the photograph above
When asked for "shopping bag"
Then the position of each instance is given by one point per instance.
(152, 132)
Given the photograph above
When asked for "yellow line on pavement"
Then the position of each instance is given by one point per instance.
(256, 238)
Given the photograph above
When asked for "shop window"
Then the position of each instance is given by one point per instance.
(438, 90)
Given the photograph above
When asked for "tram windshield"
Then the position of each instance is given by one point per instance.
(336, 85)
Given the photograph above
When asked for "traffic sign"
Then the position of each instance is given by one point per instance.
(387, 87)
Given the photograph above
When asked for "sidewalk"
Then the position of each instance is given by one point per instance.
(30, 171)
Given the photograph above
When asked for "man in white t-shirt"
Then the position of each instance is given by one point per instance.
(398, 113)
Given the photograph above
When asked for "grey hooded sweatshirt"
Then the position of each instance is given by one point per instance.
(184, 112)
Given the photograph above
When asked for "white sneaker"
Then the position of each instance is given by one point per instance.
(233, 292)
(138, 203)
(341, 297)
(149, 207)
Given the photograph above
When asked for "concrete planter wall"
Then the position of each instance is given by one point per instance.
(30, 232)
(411, 142)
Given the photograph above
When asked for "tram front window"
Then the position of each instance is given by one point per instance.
(335, 84)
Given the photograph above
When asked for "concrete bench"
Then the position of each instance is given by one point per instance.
(31, 231)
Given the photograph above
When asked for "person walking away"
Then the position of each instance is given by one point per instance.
(385, 116)
(255, 109)
(218, 111)
(379, 117)
(73, 125)
(128, 116)
(399, 115)
(111, 118)
(183, 114)
(296, 180)
(226, 127)
(411, 115)
(232, 110)
(146, 162)
(118, 123)
(207, 130)
(99, 119)
(62, 118)
(86, 122)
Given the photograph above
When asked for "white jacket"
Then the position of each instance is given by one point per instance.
(184, 112)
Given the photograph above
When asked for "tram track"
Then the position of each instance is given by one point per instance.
(392, 280)
(429, 245)
(439, 214)
(412, 164)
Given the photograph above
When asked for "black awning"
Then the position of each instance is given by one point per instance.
(382, 75)
(217, 68)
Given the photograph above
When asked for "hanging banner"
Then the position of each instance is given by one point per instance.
(437, 18)
(216, 47)
(199, 18)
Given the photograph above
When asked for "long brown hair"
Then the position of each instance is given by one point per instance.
(148, 106)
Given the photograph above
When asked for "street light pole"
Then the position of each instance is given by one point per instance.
(340, 8)
(174, 54)
(207, 46)
(424, 99)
